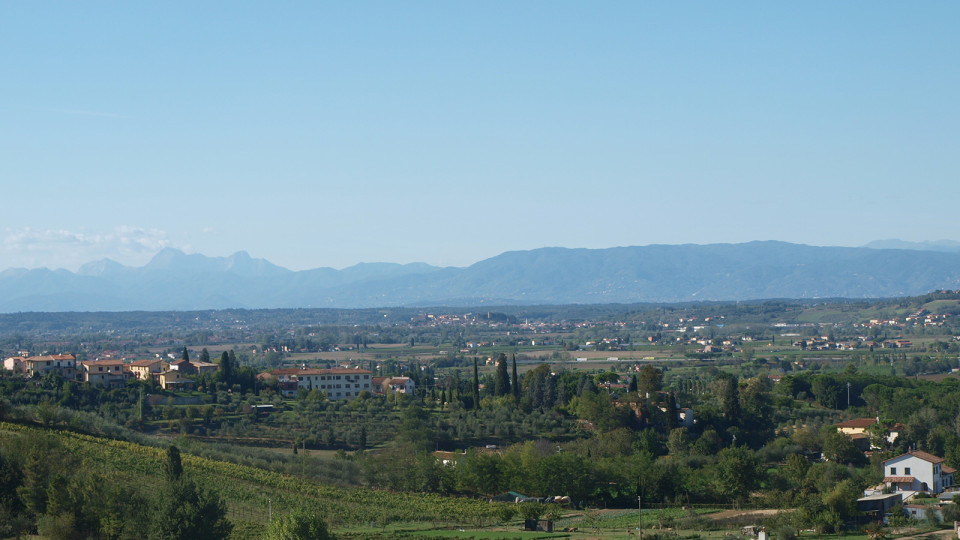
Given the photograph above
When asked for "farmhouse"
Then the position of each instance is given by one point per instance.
(145, 369)
(403, 385)
(175, 380)
(64, 365)
(917, 471)
(103, 372)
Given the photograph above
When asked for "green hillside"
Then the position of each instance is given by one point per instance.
(251, 494)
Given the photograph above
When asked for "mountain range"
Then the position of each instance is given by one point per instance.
(173, 280)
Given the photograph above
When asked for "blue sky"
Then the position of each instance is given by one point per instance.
(325, 134)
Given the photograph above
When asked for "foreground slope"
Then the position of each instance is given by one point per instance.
(251, 494)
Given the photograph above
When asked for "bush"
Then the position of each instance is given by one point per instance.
(786, 532)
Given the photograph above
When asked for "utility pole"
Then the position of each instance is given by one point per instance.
(640, 517)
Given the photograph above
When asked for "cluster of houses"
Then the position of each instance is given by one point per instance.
(337, 383)
(920, 318)
(175, 375)
(905, 477)
(824, 343)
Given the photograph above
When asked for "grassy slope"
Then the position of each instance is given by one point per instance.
(251, 493)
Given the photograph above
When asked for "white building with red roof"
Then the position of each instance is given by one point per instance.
(917, 471)
(338, 383)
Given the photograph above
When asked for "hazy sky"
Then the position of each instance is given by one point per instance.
(326, 134)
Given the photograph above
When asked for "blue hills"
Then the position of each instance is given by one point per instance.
(173, 280)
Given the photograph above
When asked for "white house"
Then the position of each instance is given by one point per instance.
(917, 471)
(404, 385)
(336, 383)
(16, 364)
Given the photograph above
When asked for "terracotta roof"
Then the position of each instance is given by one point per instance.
(49, 357)
(335, 371)
(102, 362)
(947, 470)
(925, 456)
(286, 371)
(858, 423)
(898, 479)
(198, 364)
(145, 363)
(918, 454)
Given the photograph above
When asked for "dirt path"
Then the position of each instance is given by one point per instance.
(947, 533)
(727, 514)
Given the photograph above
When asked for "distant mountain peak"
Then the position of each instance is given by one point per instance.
(165, 258)
(100, 268)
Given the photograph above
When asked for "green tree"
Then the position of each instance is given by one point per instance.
(827, 391)
(226, 368)
(839, 448)
(174, 468)
(501, 384)
(476, 384)
(795, 469)
(738, 472)
(184, 511)
(301, 524)
(728, 396)
(185, 355)
(649, 380)
(678, 443)
(515, 381)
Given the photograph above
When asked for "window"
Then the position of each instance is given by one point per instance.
(893, 471)
(906, 471)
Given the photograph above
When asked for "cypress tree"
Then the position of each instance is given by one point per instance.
(476, 384)
(516, 380)
(226, 368)
(501, 386)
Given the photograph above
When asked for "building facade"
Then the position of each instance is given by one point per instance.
(917, 471)
(335, 383)
(63, 365)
